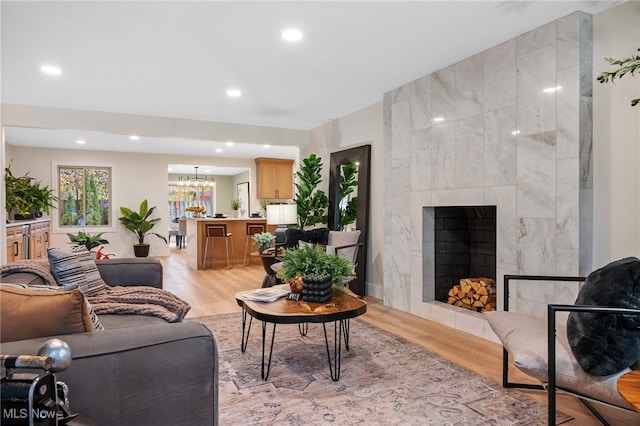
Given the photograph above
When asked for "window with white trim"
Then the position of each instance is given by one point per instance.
(85, 194)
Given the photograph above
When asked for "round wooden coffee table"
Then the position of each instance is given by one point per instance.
(629, 388)
(343, 306)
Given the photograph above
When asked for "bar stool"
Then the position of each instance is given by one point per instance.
(252, 229)
(217, 231)
(181, 238)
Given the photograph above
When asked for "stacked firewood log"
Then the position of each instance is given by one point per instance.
(476, 294)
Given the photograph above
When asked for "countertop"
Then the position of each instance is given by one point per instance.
(27, 222)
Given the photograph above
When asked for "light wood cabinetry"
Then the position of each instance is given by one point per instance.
(15, 243)
(38, 240)
(28, 240)
(275, 178)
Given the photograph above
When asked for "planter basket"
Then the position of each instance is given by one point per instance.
(317, 288)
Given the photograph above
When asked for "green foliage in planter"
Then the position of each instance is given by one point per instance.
(263, 238)
(24, 194)
(235, 204)
(311, 203)
(90, 241)
(139, 222)
(625, 66)
(309, 260)
(348, 184)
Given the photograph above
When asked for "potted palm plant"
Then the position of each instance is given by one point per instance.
(140, 224)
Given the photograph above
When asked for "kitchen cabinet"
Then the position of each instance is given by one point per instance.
(38, 240)
(15, 243)
(275, 178)
(28, 239)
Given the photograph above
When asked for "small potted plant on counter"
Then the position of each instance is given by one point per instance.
(235, 206)
(197, 210)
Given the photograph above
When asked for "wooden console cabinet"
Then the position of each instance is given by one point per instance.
(275, 178)
(28, 240)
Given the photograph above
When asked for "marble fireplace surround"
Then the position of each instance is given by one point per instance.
(484, 131)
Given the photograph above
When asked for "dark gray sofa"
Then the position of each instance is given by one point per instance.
(141, 370)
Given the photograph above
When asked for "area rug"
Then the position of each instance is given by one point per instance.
(384, 380)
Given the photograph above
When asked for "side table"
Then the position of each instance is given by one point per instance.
(270, 279)
(629, 388)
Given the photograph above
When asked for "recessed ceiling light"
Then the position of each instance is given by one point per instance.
(80, 142)
(234, 93)
(51, 70)
(134, 137)
(292, 34)
(515, 132)
(218, 149)
(552, 89)
(438, 119)
(266, 146)
(229, 143)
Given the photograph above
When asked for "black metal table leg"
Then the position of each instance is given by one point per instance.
(245, 337)
(345, 333)
(264, 374)
(334, 367)
(303, 328)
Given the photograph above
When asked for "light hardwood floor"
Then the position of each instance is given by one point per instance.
(212, 292)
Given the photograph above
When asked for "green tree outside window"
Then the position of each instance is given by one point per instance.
(85, 196)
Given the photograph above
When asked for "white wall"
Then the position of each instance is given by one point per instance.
(358, 128)
(616, 138)
(137, 176)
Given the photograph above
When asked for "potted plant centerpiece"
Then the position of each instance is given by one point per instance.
(263, 240)
(306, 261)
(196, 210)
(140, 224)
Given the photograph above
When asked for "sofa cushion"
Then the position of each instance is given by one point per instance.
(525, 338)
(605, 344)
(28, 313)
(76, 266)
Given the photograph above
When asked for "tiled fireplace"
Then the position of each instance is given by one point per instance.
(508, 128)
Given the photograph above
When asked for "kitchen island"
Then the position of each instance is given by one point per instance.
(216, 258)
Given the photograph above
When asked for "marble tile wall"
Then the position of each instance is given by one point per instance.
(484, 131)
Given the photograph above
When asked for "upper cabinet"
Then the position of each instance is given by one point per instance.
(275, 178)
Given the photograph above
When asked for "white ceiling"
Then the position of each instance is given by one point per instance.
(177, 59)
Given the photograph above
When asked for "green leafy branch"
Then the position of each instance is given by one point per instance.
(625, 66)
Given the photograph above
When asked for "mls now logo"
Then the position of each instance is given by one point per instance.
(23, 413)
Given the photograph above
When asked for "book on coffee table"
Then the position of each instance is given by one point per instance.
(266, 294)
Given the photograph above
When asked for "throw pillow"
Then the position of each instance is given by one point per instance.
(76, 266)
(605, 344)
(314, 236)
(97, 325)
(28, 313)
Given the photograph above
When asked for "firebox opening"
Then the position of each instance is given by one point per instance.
(465, 246)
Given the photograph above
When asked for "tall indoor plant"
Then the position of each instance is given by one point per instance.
(140, 224)
(311, 202)
(348, 185)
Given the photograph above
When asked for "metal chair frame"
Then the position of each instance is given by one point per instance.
(551, 387)
(252, 229)
(213, 231)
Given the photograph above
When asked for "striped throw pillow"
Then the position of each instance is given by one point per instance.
(76, 266)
